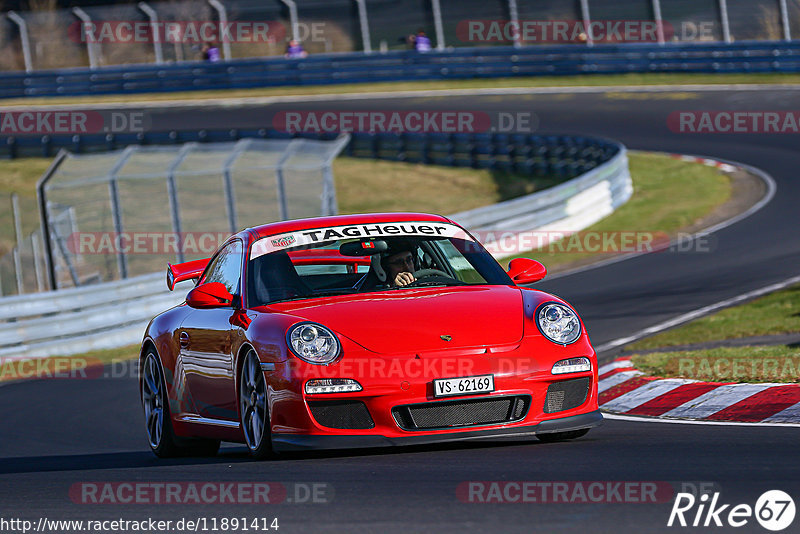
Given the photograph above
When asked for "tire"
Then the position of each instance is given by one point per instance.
(562, 436)
(158, 421)
(253, 409)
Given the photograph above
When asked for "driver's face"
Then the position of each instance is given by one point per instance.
(399, 263)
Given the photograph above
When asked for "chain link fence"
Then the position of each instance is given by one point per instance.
(123, 33)
(21, 248)
(124, 213)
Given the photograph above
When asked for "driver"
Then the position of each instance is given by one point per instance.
(399, 264)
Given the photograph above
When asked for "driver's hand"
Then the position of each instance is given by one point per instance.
(404, 278)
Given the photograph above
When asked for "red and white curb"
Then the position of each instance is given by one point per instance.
(624, 390)
(724, 167)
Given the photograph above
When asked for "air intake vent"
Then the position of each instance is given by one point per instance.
(461, 413)
(566, 395)
(352, 415)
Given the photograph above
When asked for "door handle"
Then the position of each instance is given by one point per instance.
(184, 337)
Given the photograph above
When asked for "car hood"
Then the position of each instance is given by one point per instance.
(414, 320)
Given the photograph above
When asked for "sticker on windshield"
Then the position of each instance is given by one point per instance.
(333, 233)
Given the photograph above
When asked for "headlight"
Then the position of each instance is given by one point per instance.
(313, 343)
(558, 323)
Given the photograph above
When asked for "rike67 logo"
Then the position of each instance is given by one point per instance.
(774, 510)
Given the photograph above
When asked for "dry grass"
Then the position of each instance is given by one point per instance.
(774, 314)
(668, 195)
(369, 185)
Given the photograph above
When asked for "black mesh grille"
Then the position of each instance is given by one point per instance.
(461, 413)
(341, 414)
(566, 395)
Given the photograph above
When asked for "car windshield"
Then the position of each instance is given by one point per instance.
(365, 265)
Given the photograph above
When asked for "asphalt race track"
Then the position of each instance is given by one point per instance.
(60, 433)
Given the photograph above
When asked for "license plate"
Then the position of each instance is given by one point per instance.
(449, 387)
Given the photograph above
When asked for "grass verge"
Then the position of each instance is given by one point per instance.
(668, 195)
(598, 80)
(773, 314)
(87, 365)
(779, 363)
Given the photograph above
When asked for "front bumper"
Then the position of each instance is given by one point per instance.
(284, 442)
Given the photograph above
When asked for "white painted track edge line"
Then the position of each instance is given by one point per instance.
(699, 312)
(641, 419)
(769, 182)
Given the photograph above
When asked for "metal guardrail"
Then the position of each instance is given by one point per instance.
(80, 319)
(113, 314)
(483, 62)
(562, 209)
(551, 205)
(22, 307)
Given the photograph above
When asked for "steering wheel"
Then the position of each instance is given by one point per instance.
(423, 273)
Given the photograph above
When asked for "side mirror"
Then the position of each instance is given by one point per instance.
(526, 271)
(210, 295)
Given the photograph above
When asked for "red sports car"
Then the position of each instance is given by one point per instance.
(362, 331)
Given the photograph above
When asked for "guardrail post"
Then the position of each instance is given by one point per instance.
(223, 21)
(787, 32)
(513, 15)
(37, 268)
(17, 270)
(91, 45)
(293, 18)
(364, 23)
(329, 204)
(283, 206)
(153, 16)
(44, 218)
(437, 24)
(18, 238)
(723, 16)
(587, 22)
(116, 208)
(227, 179)
(23, 36)
(659, 21)
(172, 193)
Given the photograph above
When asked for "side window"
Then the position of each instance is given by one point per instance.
(459, 263)
(226, 267)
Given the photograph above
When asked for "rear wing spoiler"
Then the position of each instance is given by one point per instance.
(190, 270)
